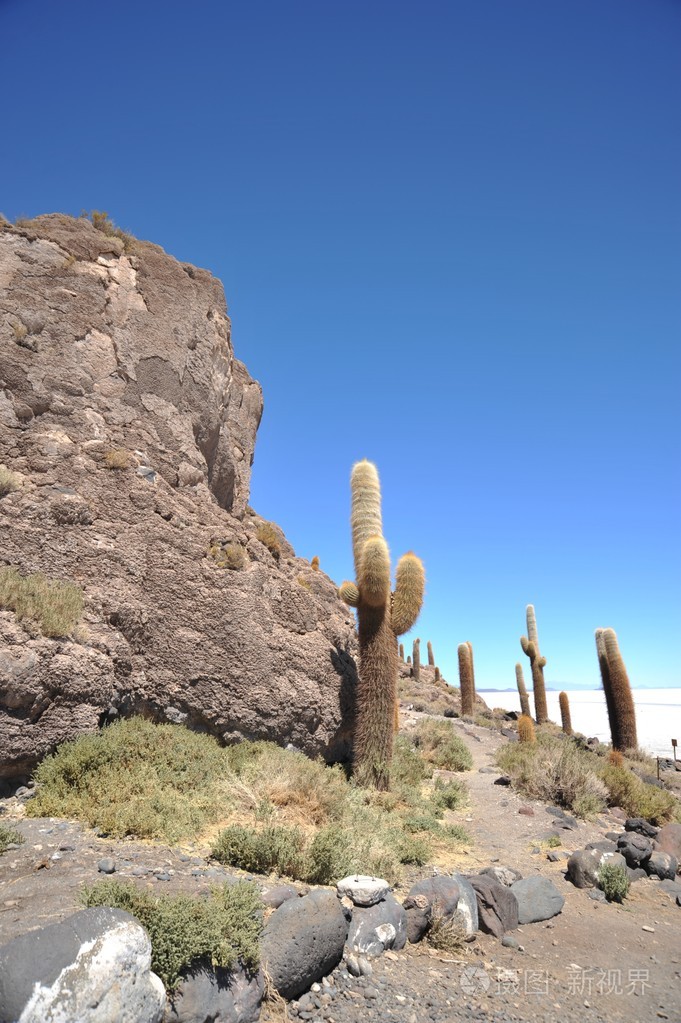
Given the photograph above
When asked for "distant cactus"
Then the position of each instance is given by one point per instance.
(382, 617)
(618, 697)
(437, 674)
(401, 651)
(409, 659)
(416, 653)
(526, 729)
(431, 659)
(466, 680)
(314, 564)
(530, 645)
(565, 713)
(522, 691)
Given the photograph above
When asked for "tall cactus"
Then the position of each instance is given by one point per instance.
(401, 651)
(530, 645)
(382, 616)
(416, 652)
(565, 719)
(431, 659)
(437, 674)
(522, 691)
(618, 696)
(466, 679)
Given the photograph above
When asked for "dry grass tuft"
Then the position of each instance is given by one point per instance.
(117, 458)
(9, 481)
(228, 555)
(267, 535)
(54, 606)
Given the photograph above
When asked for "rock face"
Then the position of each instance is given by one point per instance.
(130, 427)
(93, 967)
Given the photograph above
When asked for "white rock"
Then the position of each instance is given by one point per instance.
(363, 890)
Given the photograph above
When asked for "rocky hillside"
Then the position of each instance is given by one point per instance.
(127, 431)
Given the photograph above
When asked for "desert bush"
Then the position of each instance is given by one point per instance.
(9, 836)
(449, 795)
(279, 849)
(9, 481)
(267, 535)
(440, 746)
(636, 797)
(408, 769)
(614, 882)
(117, 458)
(54, 606)
(135, 778)
(414, 849)
(103, 222)
(456, 833)
(20, 331)
(229, 555)
(446, 933)
(554, 770)
(186, 931)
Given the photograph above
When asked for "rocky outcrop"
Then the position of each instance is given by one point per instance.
(129, 429)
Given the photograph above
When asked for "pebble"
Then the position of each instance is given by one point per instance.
(651, 930)
(107, 865)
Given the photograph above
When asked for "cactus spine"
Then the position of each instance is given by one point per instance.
(530, 645)
(431, 659)
(526, 729)
(466, 679)
(618, 697)
(522, 691)
(416, 652)
(382, 616)
(401, 651)
(565, 713)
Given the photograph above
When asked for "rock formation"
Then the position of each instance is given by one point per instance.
(129, 427)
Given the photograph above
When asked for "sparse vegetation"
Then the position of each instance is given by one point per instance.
(267, 535)
(228, 555)
(302, 581)
(440, 746)
(9, 836)
(53, 605)
(9, 481)
(638, 798)
(103, 222)
(117, 458)
(526, 732)
(185, 931)
(20, 331)
(314, 564)
(446, 933)
(614, 882)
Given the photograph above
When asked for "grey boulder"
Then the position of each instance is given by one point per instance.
(582, 868)
(642, 826)
(375, 929)
(467, 907)
(504, 875)
(662, 865)
(208, 995)
(303, 940)
(441, 894)
(94, 967)
(635, 848)
(538, 899)
(497, 905)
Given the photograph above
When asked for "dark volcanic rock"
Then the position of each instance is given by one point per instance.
(538, 899)
(210, 995)
(375, 929)
(497, 905)
(130, 428)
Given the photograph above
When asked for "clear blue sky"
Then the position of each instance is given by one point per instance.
(449, 235)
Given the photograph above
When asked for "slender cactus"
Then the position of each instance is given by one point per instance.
(314, 564)
(526, 729)
(466, 680)
(618, 696)
(416, 653)
(431, 659)
(565, 713)
(437, 674)
(382, 616)
(530, 645)
(408, 658)
(401, 651)
(522, 691)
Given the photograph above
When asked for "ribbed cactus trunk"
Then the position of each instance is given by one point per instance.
(431, 659)
(416, 653)
(618, 695)
(530, 645)
(466, 679)
(382, 616)
(522, 691)
(526, 729)
(565, 720)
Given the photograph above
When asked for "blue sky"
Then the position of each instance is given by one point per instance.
(449, 238)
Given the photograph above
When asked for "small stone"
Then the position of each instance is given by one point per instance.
(371, 992)
(508, 941)
(352, 964)
(365, 967)
(363, 889)
(67, 848)
(650, 930)
(163, 876)
(107, 865)
(526, 811)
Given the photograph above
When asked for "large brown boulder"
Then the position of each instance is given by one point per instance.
(130, 427)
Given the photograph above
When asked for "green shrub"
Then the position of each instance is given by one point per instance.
(262, 851)
(9, 481)
(457, 833)
(136, 778)
(421, 822)
(408, 769)
(267, 535)
(449, 795)
(555, 770)
(614, 882)
(185, 931)
(442, 747)
(414, 849)
(638, 798)
(54, 606)
(9, 836)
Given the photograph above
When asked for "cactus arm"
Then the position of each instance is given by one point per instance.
(532, 634)
(525, 644)
(410, 581)
(349, 593)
